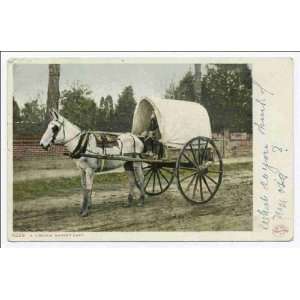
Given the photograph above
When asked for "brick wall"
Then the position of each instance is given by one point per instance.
(30, 148)
(228, 144)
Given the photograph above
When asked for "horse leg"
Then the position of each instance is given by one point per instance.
(87, 192)
(131, 182)
(84, 193)
(140, 181)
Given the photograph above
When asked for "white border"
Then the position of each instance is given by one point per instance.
(4, 57)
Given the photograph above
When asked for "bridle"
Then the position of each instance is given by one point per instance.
(62, 141)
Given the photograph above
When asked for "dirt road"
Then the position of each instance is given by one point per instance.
(230, 209)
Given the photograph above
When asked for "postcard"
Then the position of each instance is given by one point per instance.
(150, 149)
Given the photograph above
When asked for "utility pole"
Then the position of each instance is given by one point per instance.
(53, 87)
(197, 82)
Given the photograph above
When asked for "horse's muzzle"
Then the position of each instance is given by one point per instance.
(45, 147)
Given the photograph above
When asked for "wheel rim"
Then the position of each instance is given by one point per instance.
(157, 178)
(199, 170)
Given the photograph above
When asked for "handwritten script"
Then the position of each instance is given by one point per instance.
(271, 178)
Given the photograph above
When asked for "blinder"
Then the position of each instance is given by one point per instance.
(55, 130)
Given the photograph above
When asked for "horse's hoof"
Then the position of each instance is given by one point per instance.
(85, 213)
(140, 204)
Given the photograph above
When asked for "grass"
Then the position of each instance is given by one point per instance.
(43, 164)
(32, 189)
(238, 166)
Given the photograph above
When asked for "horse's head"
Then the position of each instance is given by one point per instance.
(54, 130)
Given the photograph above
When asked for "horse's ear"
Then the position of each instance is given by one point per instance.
(51, 114)
(54, 114)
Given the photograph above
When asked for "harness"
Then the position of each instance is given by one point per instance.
(81, 146)
(82, 143)
(84, 137)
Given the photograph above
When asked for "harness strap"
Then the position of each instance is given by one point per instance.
(134, 152)
(81, 147)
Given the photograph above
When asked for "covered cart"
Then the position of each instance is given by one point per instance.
(189, 153)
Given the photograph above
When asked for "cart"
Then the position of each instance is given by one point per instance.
(189, 154)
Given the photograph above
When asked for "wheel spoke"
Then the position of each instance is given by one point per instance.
(191, 182)
(147, 172)
(167, 171)
(148, 180)
(163, 176)
(186, 177)
(190, 160)
(199, 152)
(153, 186)
(193, 153)
(201, 189)
(203, 154)
(158, 179)
(211, 179)
(207, 185)
(195, 186)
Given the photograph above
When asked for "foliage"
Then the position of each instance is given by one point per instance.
(30, 119)
(105, 114)
(226, 93)
(16, 115)
(33, 112)
(227, 96)
(185, 89)
(171, 91)
(79, 107)
(124, 110)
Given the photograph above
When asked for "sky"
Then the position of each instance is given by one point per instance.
(31, 80)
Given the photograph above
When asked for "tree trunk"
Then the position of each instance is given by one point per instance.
(53, 87)
(197, 83)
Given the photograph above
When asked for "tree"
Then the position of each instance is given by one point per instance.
(32, 118)
(227, 95)
(16, 115)
(79, 107)
(106, 104)
(124, 110)
(53, 87)
(185, 89)
(170, 91)
(105, 114)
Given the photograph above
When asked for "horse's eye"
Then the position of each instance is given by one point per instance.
(55, 129)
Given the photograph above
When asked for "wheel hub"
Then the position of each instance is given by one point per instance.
(202, 171)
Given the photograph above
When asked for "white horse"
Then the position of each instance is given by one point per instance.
(63, 132)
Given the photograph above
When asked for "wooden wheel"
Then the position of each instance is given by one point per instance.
(199, 170)
(157, 178)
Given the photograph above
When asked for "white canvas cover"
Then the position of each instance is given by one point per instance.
(178, 121)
